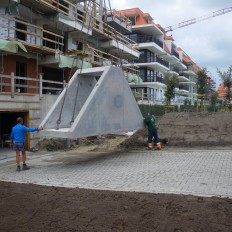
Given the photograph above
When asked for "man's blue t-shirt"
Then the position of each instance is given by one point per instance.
(18, 133)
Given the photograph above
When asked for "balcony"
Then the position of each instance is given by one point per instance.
(184, 75)
(145, 39)
(161, 61)
(174, 69)
(183, 87)
(34, 38)
(159, 79)
(153, 78)
(190, 71)
(150, 59)
(12, 85)
(75, 17)
(119, 22)
(174, 53)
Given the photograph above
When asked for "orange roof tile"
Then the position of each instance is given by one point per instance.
(168, 37)
(187, 59)
(221, 90)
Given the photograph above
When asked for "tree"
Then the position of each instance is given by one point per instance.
(172, 82)
(213, 101)
(202, 83)
(227, 81)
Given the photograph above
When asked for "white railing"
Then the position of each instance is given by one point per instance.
(14, 84)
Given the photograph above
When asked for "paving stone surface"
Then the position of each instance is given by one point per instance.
(195, 172)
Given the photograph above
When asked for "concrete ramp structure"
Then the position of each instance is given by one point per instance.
(96, 101)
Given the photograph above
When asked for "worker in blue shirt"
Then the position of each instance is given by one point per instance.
(18, 140)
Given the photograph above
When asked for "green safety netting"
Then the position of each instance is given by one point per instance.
(11, 46)
(70, 62)
(133, 78)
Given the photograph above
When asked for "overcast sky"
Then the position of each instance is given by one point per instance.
(208, 43)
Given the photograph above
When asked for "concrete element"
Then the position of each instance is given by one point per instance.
(198, 172)
(89, 107)
(197, 129)
(118, 46)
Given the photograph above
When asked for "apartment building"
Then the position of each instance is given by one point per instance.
(158, 55)
(43, 42)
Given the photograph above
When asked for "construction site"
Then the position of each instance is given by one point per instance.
(87, 75)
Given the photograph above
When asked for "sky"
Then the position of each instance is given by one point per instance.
(208, 43)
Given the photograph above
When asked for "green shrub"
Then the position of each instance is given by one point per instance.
(158, 110)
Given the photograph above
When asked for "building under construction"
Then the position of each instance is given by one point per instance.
(43, 43)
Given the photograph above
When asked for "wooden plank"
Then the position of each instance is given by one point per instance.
(20, 101)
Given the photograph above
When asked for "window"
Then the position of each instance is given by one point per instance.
(150, 56)
(19, 34)
(133, 20)
(150, 75)
(142, 73)
(20, 72)
(134, 37)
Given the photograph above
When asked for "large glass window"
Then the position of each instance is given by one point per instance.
(150, 56)
(142, 74)
(150, 75)
(134, 37)
(142, 56)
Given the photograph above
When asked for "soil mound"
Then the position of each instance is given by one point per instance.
(197, 129)
(186, 129)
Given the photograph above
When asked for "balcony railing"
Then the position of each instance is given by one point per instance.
(87, 18)
(122, 18)
(159, 79)
(174, 69)
(30, 35)
(153, 78)
(145, 39)
(181, 87)
(190, 68)
(185, 63)
(161, 61)
(185, 75)
(150, 60)
(14, 84)
(174, 53)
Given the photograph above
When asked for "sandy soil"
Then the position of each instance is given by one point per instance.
(26, 207)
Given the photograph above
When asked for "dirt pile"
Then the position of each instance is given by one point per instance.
(175, 129)
(53, 144)
(197, 129)
(137, 140)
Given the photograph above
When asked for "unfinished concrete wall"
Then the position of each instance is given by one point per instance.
(197, 129)
(46, 103)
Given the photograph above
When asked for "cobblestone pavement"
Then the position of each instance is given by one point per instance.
(195, 172)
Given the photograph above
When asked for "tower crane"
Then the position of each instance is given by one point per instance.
(195, 20)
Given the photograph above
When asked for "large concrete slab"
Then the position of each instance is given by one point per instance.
(97, 101)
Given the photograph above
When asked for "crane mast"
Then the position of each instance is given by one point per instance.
(196, 20)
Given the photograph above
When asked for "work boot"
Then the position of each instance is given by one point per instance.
(18, 168)
(149, 146)
(158, 146)
(25, 167)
